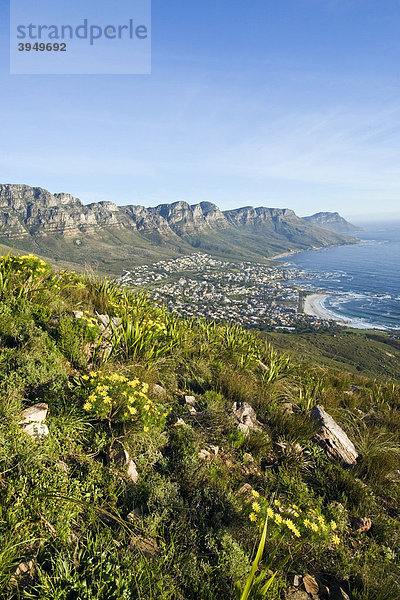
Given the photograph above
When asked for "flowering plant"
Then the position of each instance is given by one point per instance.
(116, 398)
(309, 525)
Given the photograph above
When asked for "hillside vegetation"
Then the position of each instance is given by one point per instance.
(373, 354)
(141, 481)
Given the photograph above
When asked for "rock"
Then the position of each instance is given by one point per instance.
(78, 314)
(310, 585)
(105, 321)
(37, 431)
(158, 391)
(245, 491)
(204, 454)
(34, 414)
(191, 400)
(245, 417)
(24, 573)
(332, 438)
(148, 546)
(362, 524)
(180, 422)
(215, 449)
(297, 579)
(121, 459)
(131, 472)
(192, 410)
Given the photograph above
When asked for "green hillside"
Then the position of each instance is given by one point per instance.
(128, 469)
(368, 353)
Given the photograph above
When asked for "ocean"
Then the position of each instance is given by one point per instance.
(363, 280)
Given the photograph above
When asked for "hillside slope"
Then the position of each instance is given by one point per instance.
(110, 237)
(141, 454)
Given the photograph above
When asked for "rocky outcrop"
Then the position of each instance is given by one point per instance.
(332, 438)
(245, 417)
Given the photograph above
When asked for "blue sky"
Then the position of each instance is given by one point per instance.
(289, 103)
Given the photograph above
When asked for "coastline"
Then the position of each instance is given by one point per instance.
(314, 307)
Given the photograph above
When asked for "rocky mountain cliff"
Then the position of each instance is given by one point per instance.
(332, 221)
(60, 226)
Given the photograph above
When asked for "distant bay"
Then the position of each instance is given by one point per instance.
(362, 281)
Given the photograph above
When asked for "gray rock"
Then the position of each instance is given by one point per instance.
(158, 391)
(332, 438)
(34, 414)
(37, 431)
(191, 400)
(245, 417)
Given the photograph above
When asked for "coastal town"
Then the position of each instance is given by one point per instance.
(252, 294)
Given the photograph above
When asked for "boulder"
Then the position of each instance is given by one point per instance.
(332, 438)
(362, 525)
(34, 414)
(191, 400)
(37, 431)
(245, 417)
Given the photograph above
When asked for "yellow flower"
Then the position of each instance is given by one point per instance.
(255, 494)
(314, 527)
(256, 507)
(270, 512)
(321, 519)
(253, 517)
(132, 410)
(335, 539)
(85, 377)
(145, 428)
(333, 525)
(277, 503)
(278, 519)
(87, 406)
(307, 523)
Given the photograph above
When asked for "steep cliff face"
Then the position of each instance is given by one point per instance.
(331, 221)
(60, 225)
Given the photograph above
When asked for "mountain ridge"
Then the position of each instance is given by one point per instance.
(60, 225)
(332, 221)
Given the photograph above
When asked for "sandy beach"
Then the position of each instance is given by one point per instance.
(314, 306)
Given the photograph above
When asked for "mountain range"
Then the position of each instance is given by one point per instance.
(107, 236)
